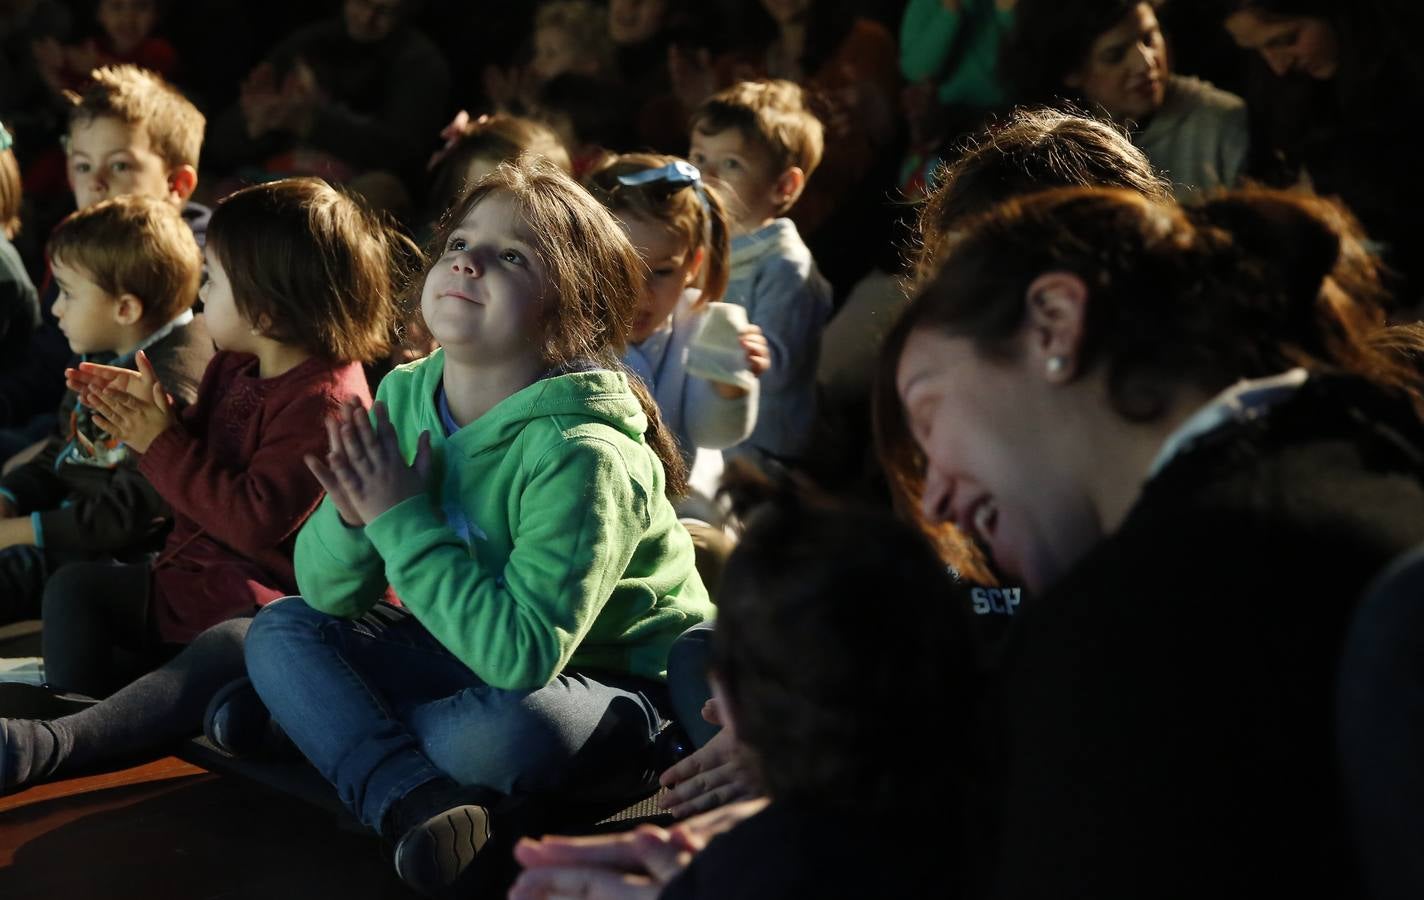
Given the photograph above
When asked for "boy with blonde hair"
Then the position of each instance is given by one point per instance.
(759, 139)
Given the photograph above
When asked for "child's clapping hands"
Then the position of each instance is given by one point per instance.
(364, 473)
(131, 406)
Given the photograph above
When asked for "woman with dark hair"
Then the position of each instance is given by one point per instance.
(1173, 425)
(1110, 56)
(1333, 101)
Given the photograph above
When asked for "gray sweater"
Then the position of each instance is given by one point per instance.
(1199, 138)
(775, 278)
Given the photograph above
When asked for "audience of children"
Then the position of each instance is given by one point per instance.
(759, 141)
(299, 288)
(531, 539)
(129, 133)
(297, 296)
(1111, 56)
(1092, 392)
(128, 271)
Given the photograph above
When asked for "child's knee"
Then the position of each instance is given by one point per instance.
(275, 630)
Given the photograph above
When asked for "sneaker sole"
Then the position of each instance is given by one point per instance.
(434, 855)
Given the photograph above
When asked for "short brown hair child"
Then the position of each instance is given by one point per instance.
(134, 245)
(313, 263)
(773, 115)
(142, 99)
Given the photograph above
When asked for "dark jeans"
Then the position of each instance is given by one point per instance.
(98, 633)
(380, 708)
(687, 682)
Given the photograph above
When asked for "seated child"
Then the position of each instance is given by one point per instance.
(128, 272)
(231, 468)
(298, 295)
(531, 538)
(759, 140)
(679, 227)
(821, 693)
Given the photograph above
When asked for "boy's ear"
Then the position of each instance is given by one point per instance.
(128, 309)
(181, 183)
(788, 187)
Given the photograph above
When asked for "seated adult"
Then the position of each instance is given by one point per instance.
(1173, 425)
(1332, 100)
(1111, 57)
(359, 93)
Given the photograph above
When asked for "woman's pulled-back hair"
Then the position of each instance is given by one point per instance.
(1032, 150)
(1249, 284)
(594, 278)
(1051, 39)
(819, 681)
(693, 211)
(315, 264)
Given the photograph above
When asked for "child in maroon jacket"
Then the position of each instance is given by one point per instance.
(299, 293)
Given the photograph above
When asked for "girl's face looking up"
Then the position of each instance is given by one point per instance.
(671, 268)
(482, 297)
(1125, 71)
(227, 326)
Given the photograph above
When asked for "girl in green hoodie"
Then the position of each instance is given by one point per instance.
(531, 540)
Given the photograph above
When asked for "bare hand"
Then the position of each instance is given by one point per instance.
(354, 415)
(757, 349)
(136, 412)
(369, 474)
(717, 773)
(628, 866)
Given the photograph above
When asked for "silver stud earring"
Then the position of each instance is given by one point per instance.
(1057, 365)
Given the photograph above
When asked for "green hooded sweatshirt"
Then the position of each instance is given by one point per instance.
(545, 539)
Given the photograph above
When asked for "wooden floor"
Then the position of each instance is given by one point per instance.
(171, 830)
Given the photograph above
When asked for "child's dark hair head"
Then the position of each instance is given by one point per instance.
(821, 681)
(495, 139)
(11, 197)
(594, 278)
(693, 209)
(142, 99)
(134, 245)
(771, 114)
(313, 263)
(1032, 150)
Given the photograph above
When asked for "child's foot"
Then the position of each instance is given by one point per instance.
(30, 751)
(433, 856)
(238, 723)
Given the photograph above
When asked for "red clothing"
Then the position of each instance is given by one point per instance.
(233, 472)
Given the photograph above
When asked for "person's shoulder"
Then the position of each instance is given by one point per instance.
(1194, 93)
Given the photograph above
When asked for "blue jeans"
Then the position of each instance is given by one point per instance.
(687, 682)
(380, 708)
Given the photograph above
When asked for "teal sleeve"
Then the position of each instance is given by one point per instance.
(927, 33)
(580, 519)
(338, 569)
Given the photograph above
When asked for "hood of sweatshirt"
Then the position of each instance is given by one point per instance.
(594, 394)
